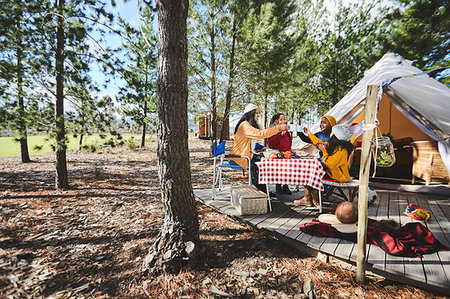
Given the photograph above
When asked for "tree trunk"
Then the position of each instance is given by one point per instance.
(22, 124)
(80, 143)
(144, 126)
(178, 241)
(225, 132)
(61, 180)
(22, 127)
(213, 134)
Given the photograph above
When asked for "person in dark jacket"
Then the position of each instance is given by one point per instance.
(282, 142)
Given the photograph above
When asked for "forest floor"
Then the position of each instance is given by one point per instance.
(90, 241)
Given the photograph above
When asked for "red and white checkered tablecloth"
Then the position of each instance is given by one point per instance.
(303, 171)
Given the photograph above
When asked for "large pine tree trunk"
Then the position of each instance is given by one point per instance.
(178, 240)
(61, 181)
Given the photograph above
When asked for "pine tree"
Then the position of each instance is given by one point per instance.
(178, 241)
(138, 96)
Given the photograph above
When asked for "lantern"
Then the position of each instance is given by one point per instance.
(383, 151)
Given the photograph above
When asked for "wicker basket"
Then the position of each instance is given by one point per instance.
(248, 200)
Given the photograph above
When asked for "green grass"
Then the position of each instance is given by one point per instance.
(10, 148)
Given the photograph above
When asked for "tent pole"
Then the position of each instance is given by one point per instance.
(369, 125)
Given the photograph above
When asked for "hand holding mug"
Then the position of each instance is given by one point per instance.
(284, 127)
(306, 131)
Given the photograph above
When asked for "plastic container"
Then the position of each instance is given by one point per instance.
(383, 150)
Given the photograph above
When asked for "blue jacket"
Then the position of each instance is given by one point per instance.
(320, 135)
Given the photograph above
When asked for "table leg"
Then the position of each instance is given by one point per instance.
(320, 201)
(268, 197)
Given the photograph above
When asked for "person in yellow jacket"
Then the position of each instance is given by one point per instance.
(247, 129)
(334, 160)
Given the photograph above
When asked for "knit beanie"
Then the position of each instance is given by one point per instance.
(331, 119)
(250, 107)
(342, 132)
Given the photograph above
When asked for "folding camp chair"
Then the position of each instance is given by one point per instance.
(351, 186)
(220, 163)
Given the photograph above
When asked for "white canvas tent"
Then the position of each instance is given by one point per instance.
(415, 105)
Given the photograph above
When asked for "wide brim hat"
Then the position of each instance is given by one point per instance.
(250, 107)
(334, 222)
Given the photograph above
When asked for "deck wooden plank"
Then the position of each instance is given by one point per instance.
(377, 257)
(394, 264)
(279, 211)
(416, 270)
(329, 245)
(443, 235)
(444, 204)
(279, 224)
(435, 273)
(315, 242)
(292, 227)
(442, 220)
(431, 270)
(413, 266)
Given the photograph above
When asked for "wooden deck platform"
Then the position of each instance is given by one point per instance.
(431, 272)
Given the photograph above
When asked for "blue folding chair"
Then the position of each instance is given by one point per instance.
(220, 163)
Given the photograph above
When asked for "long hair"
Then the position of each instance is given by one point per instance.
(274, 119)
(334, 143)
(250, 117)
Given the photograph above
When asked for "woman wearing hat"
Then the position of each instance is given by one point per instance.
(247, 129)
(335, 157)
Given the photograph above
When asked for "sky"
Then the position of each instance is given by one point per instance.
(128, 11)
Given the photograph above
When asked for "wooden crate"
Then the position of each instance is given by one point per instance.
(427, 162)
(248, 200)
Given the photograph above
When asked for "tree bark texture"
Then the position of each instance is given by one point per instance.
(24, 154)
(177, 243)
(61, 180)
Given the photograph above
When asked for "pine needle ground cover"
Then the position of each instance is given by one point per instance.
(90, 241)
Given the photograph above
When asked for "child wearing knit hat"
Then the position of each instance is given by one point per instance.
(335, 158)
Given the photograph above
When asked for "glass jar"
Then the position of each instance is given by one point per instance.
(383, 150)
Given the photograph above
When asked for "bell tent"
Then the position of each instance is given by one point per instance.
(413, 107)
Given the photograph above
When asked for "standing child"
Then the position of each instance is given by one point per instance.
(282, 142)
(335, 157)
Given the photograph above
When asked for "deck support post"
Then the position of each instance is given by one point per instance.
(369, 125)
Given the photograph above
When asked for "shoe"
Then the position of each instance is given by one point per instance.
(286, 190)
(264, 189)
(261, 188)
(303, 202)
(315, 197)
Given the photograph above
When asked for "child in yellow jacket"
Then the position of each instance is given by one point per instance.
(335, 158)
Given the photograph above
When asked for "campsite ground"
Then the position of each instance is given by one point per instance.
(90, 241)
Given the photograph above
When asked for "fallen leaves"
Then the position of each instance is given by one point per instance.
(90, 241)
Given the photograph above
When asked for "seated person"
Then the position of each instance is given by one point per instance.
(326, 123)
(335, 159)
(247, 129)
(282, 142)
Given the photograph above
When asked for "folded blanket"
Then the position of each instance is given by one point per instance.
(411, 240)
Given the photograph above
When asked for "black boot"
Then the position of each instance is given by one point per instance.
(278, 189)
(286, 190)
